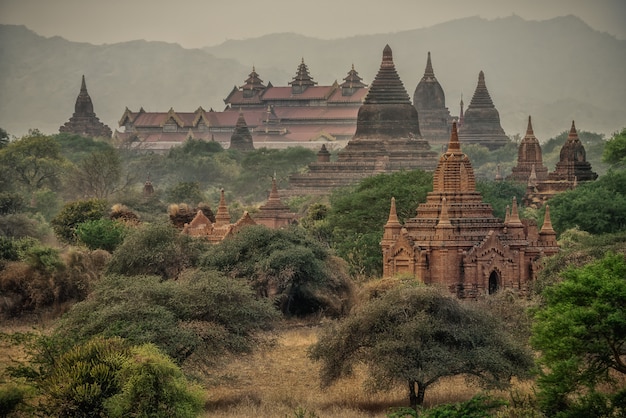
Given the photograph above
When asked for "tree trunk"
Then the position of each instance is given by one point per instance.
(421, 389)
(412, 395)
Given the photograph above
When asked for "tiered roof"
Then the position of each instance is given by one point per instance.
(529, 158)
(302, 79)
(84, 120)
(481, 120)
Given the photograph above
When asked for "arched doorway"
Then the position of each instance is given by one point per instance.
(494, 282)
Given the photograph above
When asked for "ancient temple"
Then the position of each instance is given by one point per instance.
(274, 213)
(302, 113)
(456, 242)
(529, 159)
(214, 232)
(387, 139)
(241, 139)
(481, 120)
(84, 120)
(571, 169)
(430, 102)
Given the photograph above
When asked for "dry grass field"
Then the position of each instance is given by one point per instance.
(280, 381)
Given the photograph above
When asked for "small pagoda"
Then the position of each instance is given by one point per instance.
(84, 120)
(241, 138)
(529, 159)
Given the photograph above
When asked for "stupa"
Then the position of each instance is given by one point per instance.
(456, 242)
(481, 120)
(84, 120)
(430, 102)
(241, 139)
(387, 139)
(529, 159)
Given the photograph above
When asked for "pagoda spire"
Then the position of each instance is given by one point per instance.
(514, 220)
(573, 134)
(454, 144)
(393, 215)
(222, 217)
(529, 128)
(387, 86)
(547, 223)
(303, 79)
(429, 72)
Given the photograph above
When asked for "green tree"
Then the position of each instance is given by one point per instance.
(580, 331)
(74, 213)
(500, 194)
(615, 149)
(607, 197)
(357, 215)
(105, 234)
(415, 335)
(155, 249)
(187, 192)
(33, 162)
(296, 271)
(197, 318)
(77, 147)
(98, 175)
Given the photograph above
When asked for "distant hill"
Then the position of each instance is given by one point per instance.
(555, 70)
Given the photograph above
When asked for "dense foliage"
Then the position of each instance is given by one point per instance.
(580, 331)
(74, 214)
(109, 377)
(357, 215)
(615, 149)
(414, 334)
(104, 234)
(197, 318)
(295, 271)
(155, 249)
(607, 197)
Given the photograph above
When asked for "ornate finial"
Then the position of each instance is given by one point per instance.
(83, 85)
(547, 223)
(454, 144)
(387, 57)
(573, 135)
(529, 129)
(515, 220)
(393, 215)
(429, 68)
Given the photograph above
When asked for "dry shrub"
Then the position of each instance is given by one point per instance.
(25, 288)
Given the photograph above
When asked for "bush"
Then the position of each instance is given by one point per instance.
(203, 314)
(104, 234)
(156, 248)
(296, 271)
(75, 213)
(108, 377)
(12, 397)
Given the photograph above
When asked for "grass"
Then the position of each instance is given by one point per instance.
(281, 380)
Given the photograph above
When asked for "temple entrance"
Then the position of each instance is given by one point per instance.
(494, 280)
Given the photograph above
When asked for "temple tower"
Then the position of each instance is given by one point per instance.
(302, 79)
(241, 139)
(573, 164)
(84, 120)
(387, 139)
(481, 120)
(430, 102)
(529, 158)
(455, 241)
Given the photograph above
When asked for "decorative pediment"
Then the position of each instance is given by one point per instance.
(128, 117)
(200, 117)
(172, 117)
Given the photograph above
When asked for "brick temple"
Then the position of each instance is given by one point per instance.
(455, 241)
(571, 168)
(430, 101)
(387, 139)
(84, 120)
(481, 121)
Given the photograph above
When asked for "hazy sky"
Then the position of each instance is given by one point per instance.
(197, 23)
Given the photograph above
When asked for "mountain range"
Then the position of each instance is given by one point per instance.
(555, 70)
